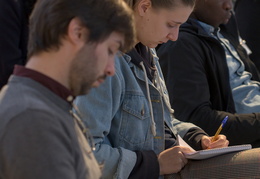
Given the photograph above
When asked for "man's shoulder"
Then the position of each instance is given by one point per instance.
(30, 109)
(20, 105)
(18, 99)
(20, 94)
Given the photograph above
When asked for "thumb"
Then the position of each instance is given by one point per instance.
(186, 150)
(205, 142)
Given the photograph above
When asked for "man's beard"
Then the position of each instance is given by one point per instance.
(84, 89)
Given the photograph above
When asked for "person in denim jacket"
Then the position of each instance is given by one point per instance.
(130, 116)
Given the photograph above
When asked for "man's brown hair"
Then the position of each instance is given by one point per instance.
(50, 19)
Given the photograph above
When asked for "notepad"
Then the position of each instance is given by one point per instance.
(204, 154)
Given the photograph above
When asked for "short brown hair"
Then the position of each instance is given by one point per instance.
(50, 19)
(167, 4)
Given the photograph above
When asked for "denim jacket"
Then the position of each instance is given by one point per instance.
(119, 116)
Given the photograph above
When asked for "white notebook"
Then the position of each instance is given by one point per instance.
(208, 153)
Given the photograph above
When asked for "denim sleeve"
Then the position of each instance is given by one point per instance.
(183, 127)
(97, 111)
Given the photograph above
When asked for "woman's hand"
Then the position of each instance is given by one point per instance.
(221, 141)
(172, 160)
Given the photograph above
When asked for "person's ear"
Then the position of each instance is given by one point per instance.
(76, 32)
(143, 6)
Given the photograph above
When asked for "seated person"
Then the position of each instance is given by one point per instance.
(131, 119)
(209, 75)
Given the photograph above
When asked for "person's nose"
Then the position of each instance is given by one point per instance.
(228, 5)
(110, 68)
(173, 34)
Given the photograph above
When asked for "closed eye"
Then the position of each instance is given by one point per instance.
(171, 26)
(110, 52)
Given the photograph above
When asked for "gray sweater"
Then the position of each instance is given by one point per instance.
(39, 137)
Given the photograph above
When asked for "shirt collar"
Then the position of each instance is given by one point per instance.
(46, 81)
(210, 30)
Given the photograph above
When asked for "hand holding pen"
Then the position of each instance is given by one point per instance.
(217, 141)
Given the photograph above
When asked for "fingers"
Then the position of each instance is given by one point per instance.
(172, 160)
(219, 144)
(221, 141)
(182, 159)
(205, 142)
(185, 149)
(221, 137)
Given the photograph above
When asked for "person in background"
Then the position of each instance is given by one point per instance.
(131, 119)
(247, 13)
(209, 75)
(40, 135)
(14, 17)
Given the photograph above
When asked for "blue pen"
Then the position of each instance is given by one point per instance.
(219, 129)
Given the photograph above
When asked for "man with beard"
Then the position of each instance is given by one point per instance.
(72, 45)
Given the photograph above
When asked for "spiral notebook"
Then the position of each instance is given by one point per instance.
(204, 154)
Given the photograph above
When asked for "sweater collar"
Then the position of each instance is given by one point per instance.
(46, 81)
